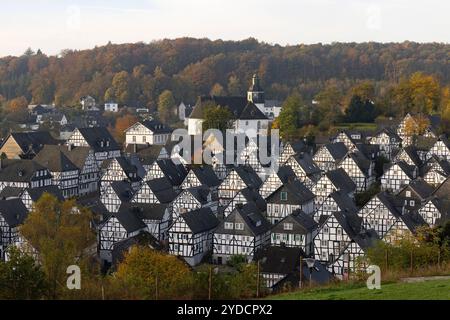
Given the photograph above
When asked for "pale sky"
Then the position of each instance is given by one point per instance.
(71, 24)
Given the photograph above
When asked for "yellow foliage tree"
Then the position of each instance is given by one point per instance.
(416, 126)
(151, 274)
(60, 233)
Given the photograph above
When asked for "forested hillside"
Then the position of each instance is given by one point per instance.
(136, 74)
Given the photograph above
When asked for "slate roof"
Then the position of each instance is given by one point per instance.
(307, 164)
(147, 154)
(421, 188)
(123, 190)
(131, 222)
(341, 180)
(297, 193)
(128, 168)
(36, 193)
(32, 141)
(285, 173)
(162, 189)
(253, 196)
(143, 238)
(173, 172)
(366, 239)
(299, 146)
(54, 158)
(279, 260)
(206, 175)
(338, 150)
(11, 192)
(411, 151)
(302, 223)
(96, 136)
(391, 133)
(200, 220)
(344, 202)
(13, 211)
(239, 107)
(156, 126)
(77, 155)
(249, 214)
(361, 161)
(148, 211)
(16, 170)
(249, 176)
(350, 222)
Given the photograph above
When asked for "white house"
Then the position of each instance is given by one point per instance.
(147, 132)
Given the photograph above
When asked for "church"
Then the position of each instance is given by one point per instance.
(251, 114)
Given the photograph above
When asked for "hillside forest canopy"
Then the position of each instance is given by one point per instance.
(389, 79)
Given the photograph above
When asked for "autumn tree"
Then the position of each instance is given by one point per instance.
(122, 123)
(166, 106)
(216, 117)
(21, 278)
(217, 90)
(294, 114)
(416, 125)
(120, 89)
(150, 272)
(328, 105)
(234, 86)
(61, 234)
(17, 104)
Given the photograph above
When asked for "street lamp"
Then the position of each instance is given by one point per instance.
(310, 263)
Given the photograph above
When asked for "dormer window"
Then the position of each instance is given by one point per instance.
(239, 226)
(228, 226)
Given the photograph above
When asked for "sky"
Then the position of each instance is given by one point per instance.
(54, 25)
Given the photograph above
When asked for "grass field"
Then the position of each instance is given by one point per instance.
(427, 290)
(357, 126)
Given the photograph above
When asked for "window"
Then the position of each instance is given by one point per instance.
(408, 194)
(228, 225)
(144, 139)
(325, 230)
(412, 203)
(134, 138)
(239, 226)
(324, 243)
(283, 196)
(288, 226)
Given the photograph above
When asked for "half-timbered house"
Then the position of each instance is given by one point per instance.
(352, 258)
(295, 230)
(276, 180)
(175, 173)
(388, 140)
(304, 168)
(98, 139)
(335, 234)
(435, 171)
(292, 148)
(242, 232)
(12, 214)
(192, 199)
(115, 194)
(398, 175)
(201, 175)
(30, 196)
(435, 211)
(120, 169)
(23, 174)
(191, 235)
(291, 196)
(243, 197)
(336, 201)
(441, 148)
(335, 180)
(25, 145)
(409, 155)
(238, 178)
(415, 194)
(65, 174)
(329, 155)
(116, 227)
(359, 168)
(158, 191)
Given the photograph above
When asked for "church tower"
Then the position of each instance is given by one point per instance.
(255, 93)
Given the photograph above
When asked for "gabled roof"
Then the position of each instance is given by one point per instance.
(411, 151)
(123, 190)
(175, 173)
(305, 161)
(143, 238)
(392, 204)
(443, 190)
(32, 141)
(301, 223)
(36, 193)
(249, 176)
(130, 221)
(156, 126)
(299, 146)
(406, 168)
(390, 132)
(20, 170)
(279, 260)
(206, 175)
(200, 193)
(200, 220)
(341, 180)
(77, 155)
(338, 150)
(252, 112)
(147, 154)
(128, 168)
(162, 189)
(350, 222)
(13, 211)
(54, 158)
(99, 139)
(11, 192)
(297, 193)
(361, 161)
(366, 239)
(148, 211)
(420, 187)
(344, 202)
(249, 214)
(412, 220)
(285, 173)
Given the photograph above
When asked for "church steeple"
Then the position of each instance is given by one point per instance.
(255, 93)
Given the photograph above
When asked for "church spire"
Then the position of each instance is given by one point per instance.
(255, 93)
